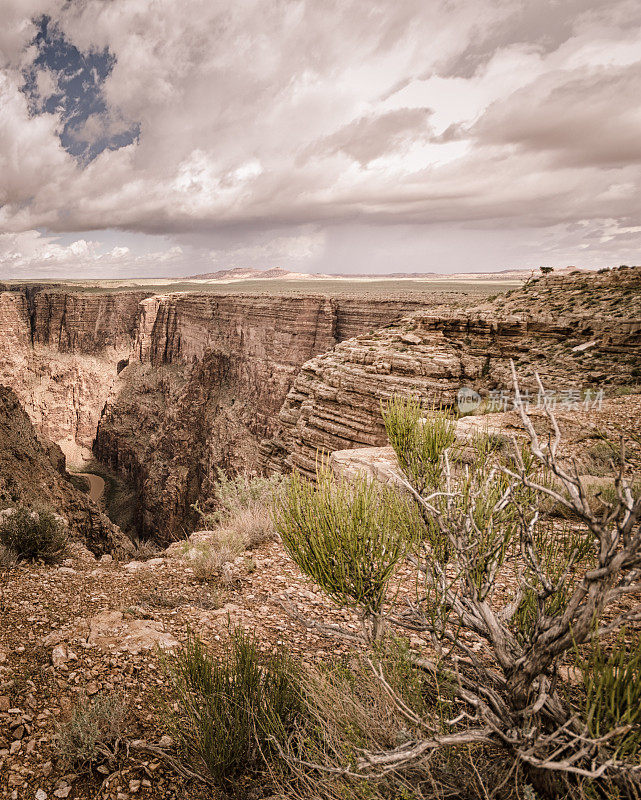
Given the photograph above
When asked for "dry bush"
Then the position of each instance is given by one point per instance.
(242, 521)
(144, 549)
(210, 556)
(8, 557)
(244, 504)
(495, 655)
(254, 524)
(33, 535)
(347, 710)
(88, 737)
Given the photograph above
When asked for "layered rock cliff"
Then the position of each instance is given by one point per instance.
(206, 379)
(168, 388)
(335, 402)
(60, 353)
(32, 473)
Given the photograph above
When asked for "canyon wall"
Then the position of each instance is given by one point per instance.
(60, 352)
(32, 473)
(207, 377)
(169, 388)
(335, 402)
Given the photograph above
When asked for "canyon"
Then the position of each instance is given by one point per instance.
(167, 389)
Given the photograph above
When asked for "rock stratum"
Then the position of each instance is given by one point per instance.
(167, 389)
(579, 333)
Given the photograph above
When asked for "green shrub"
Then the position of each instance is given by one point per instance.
(418, 442)
(94, 727)
(348, 536)
(612, 682)
(229, 710)
(34, 535)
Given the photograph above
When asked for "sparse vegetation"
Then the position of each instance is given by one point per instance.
(243, 503)
(230, 710)
(612, 682)
(33, 535)
(8, 557)
(144, 549)
(209, 557)
(88, 737)
(347, 536)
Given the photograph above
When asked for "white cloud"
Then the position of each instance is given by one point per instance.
(23, 255)
(258, 117)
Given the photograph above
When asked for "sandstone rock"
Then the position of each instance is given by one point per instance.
(74, 342)
(53, 638)
(110, 631)
(61, 654)
(173, 433)
(26, 474)
(234, 360)
(580, 348)
(335, 402)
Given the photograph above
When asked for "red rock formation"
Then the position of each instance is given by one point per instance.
(60, 351)
(207, 377)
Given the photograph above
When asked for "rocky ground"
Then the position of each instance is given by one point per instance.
(97, 627)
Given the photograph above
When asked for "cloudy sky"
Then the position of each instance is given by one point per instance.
(169, 138)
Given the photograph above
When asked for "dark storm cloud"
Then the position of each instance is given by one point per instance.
(588, 117)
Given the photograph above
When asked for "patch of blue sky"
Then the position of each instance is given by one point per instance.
(62, 79)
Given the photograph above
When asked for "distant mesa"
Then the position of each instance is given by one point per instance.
(248, 274)
(278, 273)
